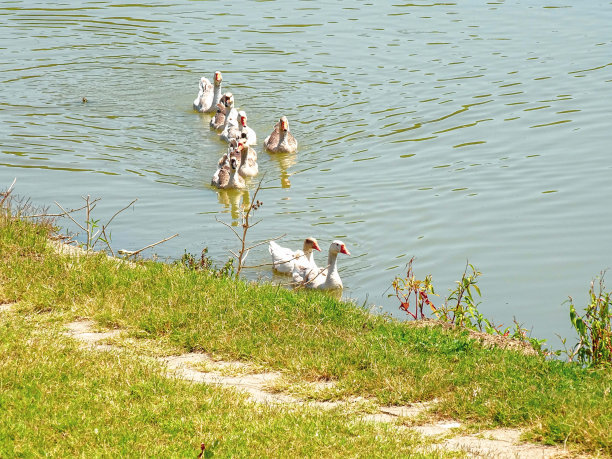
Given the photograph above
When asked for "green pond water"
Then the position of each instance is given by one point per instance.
(445, 131)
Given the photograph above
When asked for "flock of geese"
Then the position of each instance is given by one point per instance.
(239, 162)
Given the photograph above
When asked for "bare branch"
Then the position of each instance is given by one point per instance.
(131, 254)
(118, 212)
(106, 239)
(8, 192)
(263, 242)
(229, 226)
(70, 216)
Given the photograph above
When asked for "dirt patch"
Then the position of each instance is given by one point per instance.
(392, 413)
(182, 366)
(6, 307)
(486, 339)
(500, 443)
(70, 250)
(82, 330)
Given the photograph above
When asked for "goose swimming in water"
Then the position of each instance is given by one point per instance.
(227, 176)
(209, 94)
(231, 117)
(242, 131)
(281, 140)
(285, 260)
(325, 279)
(217, 122)
(205, 91)
(248, 165)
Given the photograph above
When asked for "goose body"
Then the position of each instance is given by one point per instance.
(235, 180)
(221, 176)
(248, 165)
(242, 131)
(328, 279)
(281, 140)
(286, 261)
(209, 94)
(231, 117)
(217, 122)
(205, 94)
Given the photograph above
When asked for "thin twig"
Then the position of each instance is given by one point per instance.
(70, 216)
(8, 192)
(118, 212)
(106, 239)
(55, 215)
(263, 242)
(229, 226)
(131, 254)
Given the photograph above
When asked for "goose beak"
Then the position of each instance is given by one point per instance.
(344, 250)
(316, 246)
(243, 120)
(218, 76)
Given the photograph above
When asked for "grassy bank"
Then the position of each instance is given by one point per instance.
(53, 391)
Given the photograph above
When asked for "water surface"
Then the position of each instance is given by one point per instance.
(444, 131)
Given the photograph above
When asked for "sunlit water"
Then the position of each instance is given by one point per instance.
(448, 132)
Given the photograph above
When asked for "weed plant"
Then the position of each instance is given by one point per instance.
(594, 328)
(460, 308)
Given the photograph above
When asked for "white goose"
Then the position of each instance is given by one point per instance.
(216, 97)
(205, 95)
(245, 132)
(248, 165)
(231, 117)
(327, 279)
(285, 260)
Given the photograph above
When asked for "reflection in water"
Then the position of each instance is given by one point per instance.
(237, 201)
(284, 161)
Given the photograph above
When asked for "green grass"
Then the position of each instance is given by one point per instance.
(309, 336)
(57, 400)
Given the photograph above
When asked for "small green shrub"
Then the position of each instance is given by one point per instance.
(594, 328)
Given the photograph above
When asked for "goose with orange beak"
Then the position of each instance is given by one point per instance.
(327, 279)
(286, 261)
(248, 165)
(231, 117)
(209, 95)
(281, 140)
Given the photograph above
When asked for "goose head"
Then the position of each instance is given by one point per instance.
(284, 124)
(242, 148)
(337, 247)
(229, 100)
(218, 78)
(221, 105)
(310, 243)
(242, 117)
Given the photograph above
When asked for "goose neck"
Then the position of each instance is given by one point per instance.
(331, 262)
(217, 95)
